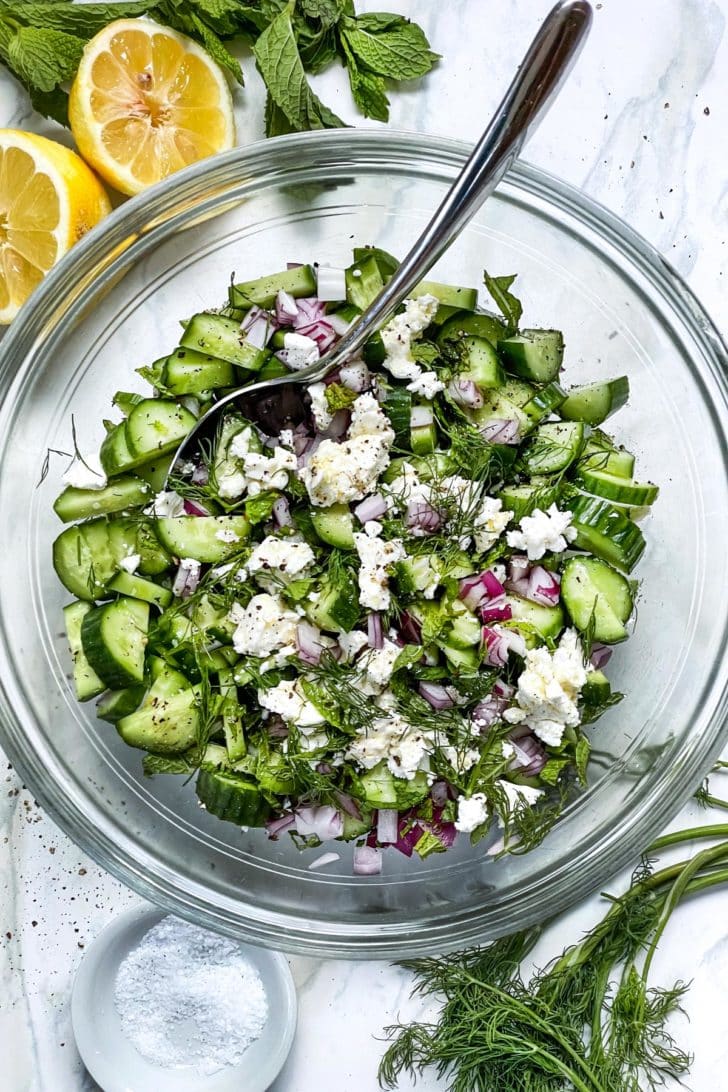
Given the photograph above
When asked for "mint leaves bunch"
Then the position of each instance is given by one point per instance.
(41, 43)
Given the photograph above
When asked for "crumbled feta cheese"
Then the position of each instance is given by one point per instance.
(130, 563)
(265, 626)
(86, 472)
(322, 415)
(401, 331)
(507, 751)
(166, 505)
(247, 469)
(355, 375)
(379, 662)
(407, 488)
(472, 812)
(426, 384)
(543, 532)
(376, 556)
(226, 534)
(518, 795)
(393, 739)
(286, 438)
(339, 473)
(351, 644)
(288, 700)
(548, 690)
(300, 351)
(461, 760)
(485, 514)
(240, 443)
(490, 523)
(286, 557)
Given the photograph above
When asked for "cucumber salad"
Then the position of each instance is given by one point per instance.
(387, 623)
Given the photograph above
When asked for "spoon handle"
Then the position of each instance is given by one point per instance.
(536, 84)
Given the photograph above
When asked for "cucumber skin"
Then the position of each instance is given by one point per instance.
(86, 682)
(334, 525)
(121, 493)
(594, 402)
(167, 729)
(603, 531)
(262, 291)
(94, 637)
(195, 536)
(534, 354)
(119, 703)
(232, 798)
(590, 605)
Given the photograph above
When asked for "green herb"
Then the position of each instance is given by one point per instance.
(259, 508)
(42, 43)
(167, 764)
(508, 305)
(339, 397)
(589, 1021)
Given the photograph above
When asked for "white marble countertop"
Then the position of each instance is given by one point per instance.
(641, 128)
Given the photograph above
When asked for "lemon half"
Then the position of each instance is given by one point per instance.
(49, 198)
(147, 101)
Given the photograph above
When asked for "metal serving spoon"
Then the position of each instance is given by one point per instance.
(280, 403)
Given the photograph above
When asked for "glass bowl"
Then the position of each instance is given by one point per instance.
(114, 304)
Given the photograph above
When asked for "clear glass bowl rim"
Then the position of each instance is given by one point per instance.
(76, 276)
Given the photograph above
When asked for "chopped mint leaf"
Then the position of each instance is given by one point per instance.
(510, 307)
(389, 45)
(583, 750)
(339, 397)
(259, 508)
(166, 764)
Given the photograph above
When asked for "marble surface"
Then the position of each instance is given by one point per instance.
(641, 128)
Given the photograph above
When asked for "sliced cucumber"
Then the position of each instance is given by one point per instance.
(121, 493)
(423, 432)
(168, 727)
(74, 566)
(546, 621)
(597, 596)
(198, 536)
(604, 531)
(463, 630)
(114, 640)
(155, 472)
(594, 402)
(116, 704)
(552, 447)
(462, 661)
(297, 282)
(189, 372)
(379, 788)
(544, 402)
(136, 587)
(116, 456)
(498, 407)
(615, 488)
(398, 408)
(597, 688)
(233, 798)
(334, 525)
(85, 680)
(156, 426)
(490, 327)
(480, 363)
(337, 606)
(450, 295)
(221, 337)
(617, 461)
(388, 264)
(134, 536)
(364, 282)
(534, 354)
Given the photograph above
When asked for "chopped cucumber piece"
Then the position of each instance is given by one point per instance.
(534, 354)
(465, 299)
(73, 565)
(544, 402)
(604, 531)
(462, 661)
(121, 493)
(337, 606)
(597, 688)
(116, 704)
(364, 282)
(480, 363)
(616, 488)
(522, 500)
(85, 680)
(168, 727)
(597, 596)
(490, 327)
(334, 525)
(297, 282)
(594, 402)
(553, 447)
(221, 337)
(189, 372)
(379, 788)
(387, 263)
(423, 432)
(398, 408)
(203, 538)
(114, 639)
(155, 473)
(548, 622)
(116, 456)
(136, 587)
(156, 426)
(615, 461)
(463, 629)
(234, 798)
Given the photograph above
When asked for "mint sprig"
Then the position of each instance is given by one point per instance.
(41, 42)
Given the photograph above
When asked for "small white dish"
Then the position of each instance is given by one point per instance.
(114, 1062)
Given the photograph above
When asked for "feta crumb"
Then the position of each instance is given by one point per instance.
(490, 523)
(131, 563)
(286, 438)
(355, 375)
(407, 488)
(379, 663)
(166, 505)
(300, 351)
(85, 472)
(401, 331)
(518, 795)
(426, 384)
(265, 626)
(339, 473)
(283, 556)
(351, 644)
(548, 690)
(472, 812)
(376, 557)
(543, 532)
(393, 739)
(322, 415)
(288, 700)
(226, 534)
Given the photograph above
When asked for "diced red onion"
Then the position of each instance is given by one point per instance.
(375, 635)
(323, 860)
(367, 861)
(348, 804)
(281, 512)
(503, 689)
(186, 579)
(338, 324)
(301, 443)
(465, 393)
(276, 727)
(437, 695)
(502, 431)
(474, 590)
(409, 628)
(421, 416)
(409, 836)
(258, 327)
(535, 583)
(309, 309)
(330, 283)
(529, 755)
(439, 794)
(387, 826)
(308, 643)
(518, 567)
(488, 711)
(200, 475)
(192, 508)
(310, 449)
(600, 655)
(323, 821)
(286, 309)
(294, 265)
(496, 610)
(422, 517)
(321, 332)
(499, 642)
(278, 826)
(331, 377)
(371, 508)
